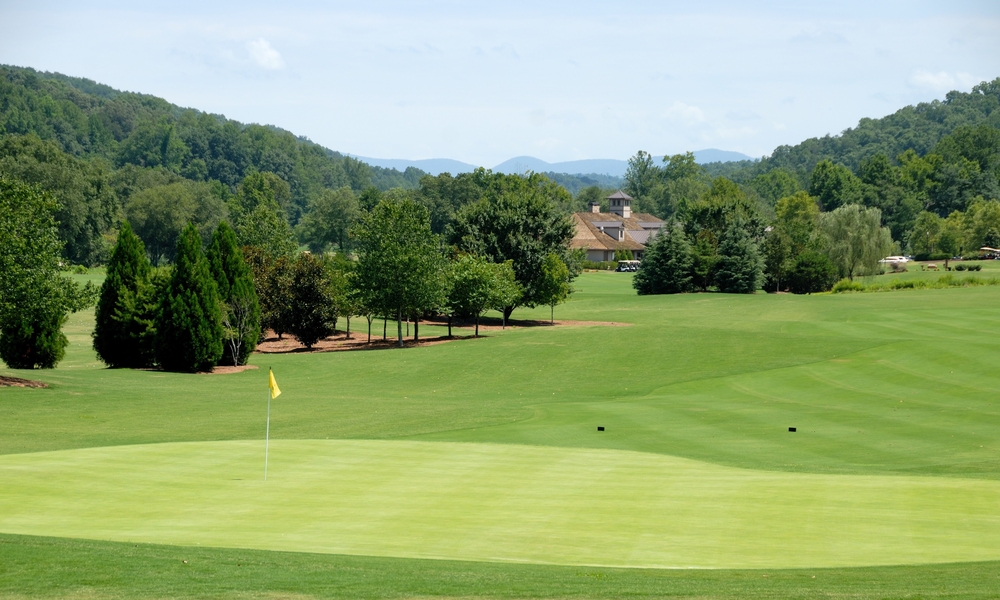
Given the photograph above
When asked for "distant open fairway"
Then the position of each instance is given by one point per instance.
(487, 450)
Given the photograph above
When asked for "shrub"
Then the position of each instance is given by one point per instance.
(29, 341)
(313, 300)
(604, 265)
(959, 267)
(846, 285)
(811, 272)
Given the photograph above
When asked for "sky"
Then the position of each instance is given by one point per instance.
(482, 82)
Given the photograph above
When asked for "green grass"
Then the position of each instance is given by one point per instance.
(37, 567)
(496, 502)
(895, 393)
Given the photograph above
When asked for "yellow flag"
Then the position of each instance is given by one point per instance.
(275, 392)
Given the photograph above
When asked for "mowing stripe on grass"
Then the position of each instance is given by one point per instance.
(495, 503)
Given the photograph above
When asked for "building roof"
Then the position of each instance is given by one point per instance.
(619, 195)
(589, 234)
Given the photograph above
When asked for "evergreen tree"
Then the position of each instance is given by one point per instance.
(740, 269)
(241, 310)
(188, 326)
(120, 338)
(667, 266)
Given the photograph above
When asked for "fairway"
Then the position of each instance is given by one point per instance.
(496, 503)
(487, 450)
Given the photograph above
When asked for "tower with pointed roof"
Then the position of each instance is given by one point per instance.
(620, 204)
(604, 234)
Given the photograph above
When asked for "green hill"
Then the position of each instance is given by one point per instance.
(919, 128)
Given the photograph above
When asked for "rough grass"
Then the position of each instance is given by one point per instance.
(38, 567)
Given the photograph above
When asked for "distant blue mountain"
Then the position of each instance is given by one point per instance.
(520, 164)
(434, 166)
(711, 155)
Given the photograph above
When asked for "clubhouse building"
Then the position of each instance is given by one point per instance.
(601, 234)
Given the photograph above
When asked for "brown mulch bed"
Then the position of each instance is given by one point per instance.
(224, 370)
(359, 337)
(18, 382)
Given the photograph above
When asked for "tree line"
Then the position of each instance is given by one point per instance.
(937, 157)
(724, 241)
(196, 305)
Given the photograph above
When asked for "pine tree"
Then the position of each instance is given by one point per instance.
(241, 311)
(740, 269)
(188, 326)
(119, 336)
(667, 265)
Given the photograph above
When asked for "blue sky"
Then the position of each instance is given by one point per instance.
(482, 82)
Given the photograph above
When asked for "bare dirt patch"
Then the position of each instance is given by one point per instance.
(359, 338)
(18, 382)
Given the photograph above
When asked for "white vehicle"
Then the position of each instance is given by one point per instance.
(894, 259)
(627, 266)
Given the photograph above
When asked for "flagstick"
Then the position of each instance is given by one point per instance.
(267, 431)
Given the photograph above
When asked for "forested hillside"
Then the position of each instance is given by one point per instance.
(94, 147)
(933, 168)
(108, 156)
(918, 128)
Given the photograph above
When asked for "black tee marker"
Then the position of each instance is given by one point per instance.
(792, 429)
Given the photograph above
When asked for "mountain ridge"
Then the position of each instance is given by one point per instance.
(519, 164)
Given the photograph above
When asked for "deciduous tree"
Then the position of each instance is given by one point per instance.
(516, 220)
(34, 298)
(400, 268)
(855, 239)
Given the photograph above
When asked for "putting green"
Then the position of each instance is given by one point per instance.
(495, 503)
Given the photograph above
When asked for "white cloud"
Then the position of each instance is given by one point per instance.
(943, 81)
(265, 55)
(684, 113)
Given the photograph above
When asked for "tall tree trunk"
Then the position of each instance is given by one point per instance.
(348, 326)
(399, 325)
(416, 329)
(477, 324)
(407, 326)
(449, 325)
(385, 320)
(369, 331)
(552, 315)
